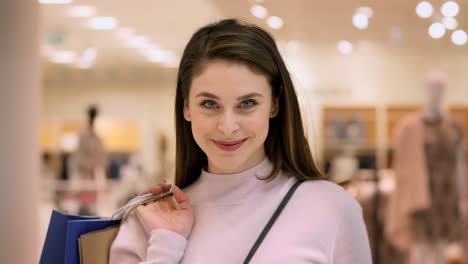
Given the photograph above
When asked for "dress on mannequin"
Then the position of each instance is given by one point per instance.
(442, 220)
(426, 209)
(426, 203)
(89, 163)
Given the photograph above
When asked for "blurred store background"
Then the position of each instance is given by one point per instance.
(359, 67)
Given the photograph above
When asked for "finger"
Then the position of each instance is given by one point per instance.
(181, 198)
(166, 186)
(174, 203)
(162, 181)
(155, 189)
(162, 187)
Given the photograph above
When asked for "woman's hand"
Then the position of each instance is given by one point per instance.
(171, 212)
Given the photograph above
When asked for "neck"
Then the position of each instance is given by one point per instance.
(233, 167)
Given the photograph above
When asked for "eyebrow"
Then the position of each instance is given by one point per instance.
(243, 97)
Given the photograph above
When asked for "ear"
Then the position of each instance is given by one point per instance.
(274, 108)
(187, 111)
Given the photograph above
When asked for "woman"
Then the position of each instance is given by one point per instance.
(240, 147)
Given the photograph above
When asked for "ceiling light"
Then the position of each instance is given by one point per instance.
(82, 11)
(436, 30)
(259, 11)
(360, 21)
(158, 55)
(138, 42)
(365, 10)
(275, 22)
(88, 58)
(90, 54)
(100, 23)
(166, 58)
(450, 23)
(424, 9)
(450, 9)
(172, 64)
(56, 2)
(63, 57)
(459, 37)
(345, 47)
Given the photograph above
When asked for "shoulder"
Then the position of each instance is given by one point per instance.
(324, 189)
(326, 198)
(334, 215)
(325, 211)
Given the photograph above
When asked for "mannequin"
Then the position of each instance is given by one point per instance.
(426, 210)
(89, 166)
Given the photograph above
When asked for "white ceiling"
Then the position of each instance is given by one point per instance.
(169, 24)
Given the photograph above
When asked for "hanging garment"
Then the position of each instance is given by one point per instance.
(413, 193)
(442, 220)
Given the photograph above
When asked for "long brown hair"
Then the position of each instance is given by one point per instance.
(286, 145)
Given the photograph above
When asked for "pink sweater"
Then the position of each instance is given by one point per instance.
(322, 223)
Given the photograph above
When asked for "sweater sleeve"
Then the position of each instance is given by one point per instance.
(165, 247)
(351, 239)
(135, 244)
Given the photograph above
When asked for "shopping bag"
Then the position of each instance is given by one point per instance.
(95, 246)
(61, 243)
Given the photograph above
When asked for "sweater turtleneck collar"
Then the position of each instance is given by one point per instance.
(231, 189)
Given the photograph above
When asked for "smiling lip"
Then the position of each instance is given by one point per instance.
(229, 145)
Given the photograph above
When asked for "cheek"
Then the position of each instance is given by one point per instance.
(258, 125)
(201, 127)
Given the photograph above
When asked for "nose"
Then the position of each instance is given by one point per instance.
(228, 123)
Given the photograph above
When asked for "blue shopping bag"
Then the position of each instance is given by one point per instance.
(61, 243)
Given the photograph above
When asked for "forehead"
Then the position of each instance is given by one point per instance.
(229, 79)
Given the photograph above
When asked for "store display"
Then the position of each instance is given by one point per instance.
(425, 209)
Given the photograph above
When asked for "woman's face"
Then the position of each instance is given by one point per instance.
(229, 107)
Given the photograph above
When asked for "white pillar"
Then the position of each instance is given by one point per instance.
(20, 98)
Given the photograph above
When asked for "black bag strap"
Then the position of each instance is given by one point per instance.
(270, 223)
